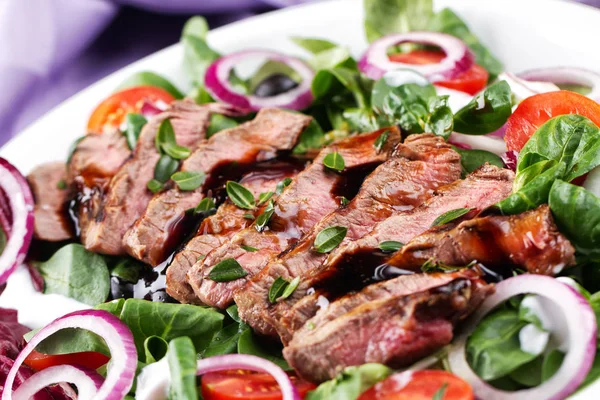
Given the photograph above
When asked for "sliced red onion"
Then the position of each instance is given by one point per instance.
(570, 75)
(489, 143)
(510, 159)
(118, 338)
(523, 88)
(577, 329)
(18, 215)
(153, 381)
(87, 381)
(217, 82)
(150, 109)
(459, 58)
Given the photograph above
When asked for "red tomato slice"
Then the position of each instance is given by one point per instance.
(471, 81)
(91, 359)
(534, 111)
(248, 385)
(420, 385)
(112, 111)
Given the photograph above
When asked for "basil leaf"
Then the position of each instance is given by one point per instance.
(282, 185)
(264, 218)
(329, 238)
(439, 394)
(334, 161)
(351, 382)
(176, 151)
(450, 216)
(249, 248)
(133, 126)
(471, 160)
(154, 186)
(487, 112)
(289, 289)
(164, 168)
(197, 55)
(61, 184)
(205, 205)
(312, 137)
(395, 16)
(147, 78)
(264, 197)
(277, 289)
(248, 216)
(189, 180)
(315, 46)
(165, 142)
(219, 123)
(240, 196)
(390, 246)
(227, 270)
(182, 367)
(77, 273)
(446, 21)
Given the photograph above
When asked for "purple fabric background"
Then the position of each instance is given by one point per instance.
(51, 49)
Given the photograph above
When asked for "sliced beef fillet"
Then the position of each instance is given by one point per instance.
(127, 196)
(49, 187)
(225, 155)
(220, 227)
(352, 266)
(311, 195)
(395, 322)
(416, 168)
(530, 240)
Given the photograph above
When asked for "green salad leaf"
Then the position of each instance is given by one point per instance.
(219, 123)
(165, 167)
(182, 366)
(313, 45)
(227, 270)
(133, 126)
(350, 383)
(147, 78)
(240, 195)
(155, 348)
(383, 17)
(471, 160)
(450, 216)
(487, 112)
(197, 55)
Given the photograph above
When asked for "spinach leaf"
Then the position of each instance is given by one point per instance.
(329, 238)
(249, 343)
(78, 273)
(147, 78)
(182, 366)
(128, 270)
(471, 160)
(197, 55)
(155, 348)
(268, 69)
(446, 21)
(577, 214)
(227, 270)
(350, 383)
(218, 123)
(487, 112)
(312, 137)
(440, 119)
(313, 45)
(133, 126)
(328, 82)
(226, 340)
(383, 17)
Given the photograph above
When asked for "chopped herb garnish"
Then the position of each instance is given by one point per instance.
(189, 180)
(282, 185)
(310, 325)
(248, 216)
(290, 289)
(133, 126)
(439, 394)
(240, 196)
(205, 205)
(227, 270)
(201, 257)
(249, 248)
(450, 216)
(282, 289)
(334, 161)
(344, 201)
(329, 238)
(381, 140)
(263, 219)
(165, 167)
(154, 186)
(166, 143)
(390, 246)
(264, 197)
(433, 265)
(62, 184)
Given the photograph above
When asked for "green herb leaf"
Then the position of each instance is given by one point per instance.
(390, 246)
(146, 78)
(439, 394)
(219, 123)
(249, 248)
(312, 137)
(315, 46)
(351, 382)
(264, 197)
(450, 216)
(166, 143)
(155, 348)
(133, 126)
(77, 273)
(182, 367)
(227, 270)
(240, 196)
(334, 161)
(62, 184)
(290, 289)
(248, 216)
(197, 55)
(487, 112)
(189, 180)
(176, 151)
(282, 185)
(329, 238)
(329, 82)
(164, 168)
(395, 16)
(154, 186)
(205, 205)
(440, 117)
(471, 160)
(344, 201)
(264, 218)
(381, 140)
(128, 270)
(249, 343)
(277, 289)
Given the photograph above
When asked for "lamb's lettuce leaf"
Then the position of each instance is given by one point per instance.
(351, 382)
(383, 17)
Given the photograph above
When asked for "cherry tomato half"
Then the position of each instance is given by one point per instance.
(112, 111)
(248, 385)
(91, 359)
(471, 81)
(419, 385)
(534, 111)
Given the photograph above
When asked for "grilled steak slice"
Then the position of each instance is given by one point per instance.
(51, 220)
(350, 266)
(311, 195)
(161, 228)
(395, 322)
(418, 166)
(530, 240)
(220, 227)
(127, 195)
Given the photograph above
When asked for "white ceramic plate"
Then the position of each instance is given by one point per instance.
(522, 33)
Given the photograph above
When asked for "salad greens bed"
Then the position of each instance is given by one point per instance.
(346, 101)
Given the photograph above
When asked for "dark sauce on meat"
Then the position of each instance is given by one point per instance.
(150, 286)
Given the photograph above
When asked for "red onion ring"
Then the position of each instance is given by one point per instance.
(217, 82)
(510, 159)
(573, 75)
(19, 214)
(459, 58)
(118, 338)
(581, 336)
(86, 380)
